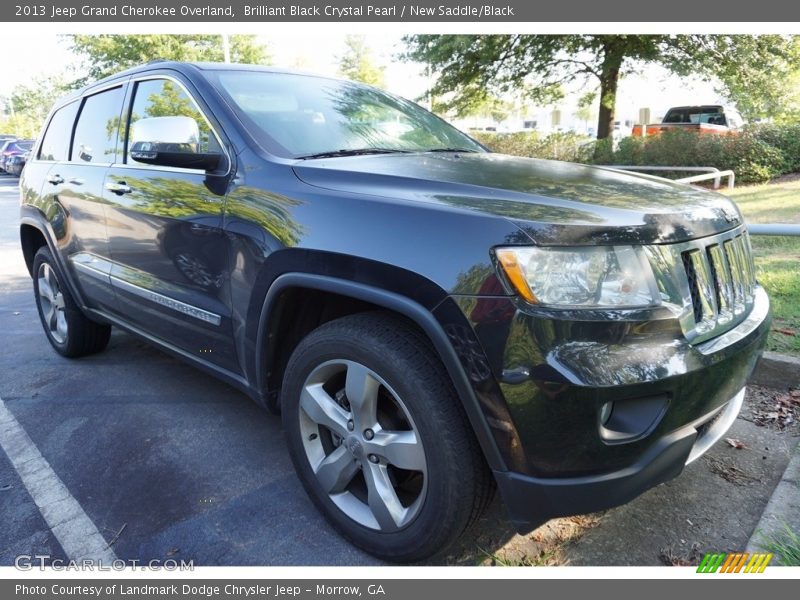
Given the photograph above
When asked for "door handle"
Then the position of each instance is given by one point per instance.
(55, 179)
(118, 188)
(76, 181)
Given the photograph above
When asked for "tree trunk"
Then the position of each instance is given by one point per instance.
(613, 55)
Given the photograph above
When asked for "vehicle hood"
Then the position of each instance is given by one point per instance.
(552, 202)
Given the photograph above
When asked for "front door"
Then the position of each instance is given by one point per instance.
(171, 257)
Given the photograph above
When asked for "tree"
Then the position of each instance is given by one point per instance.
(491, 107)
(358, 63)
(108, 54)
(28, 104)
(584, 112)
(470, 67)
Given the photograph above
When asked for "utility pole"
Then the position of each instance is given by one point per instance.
(226, 48)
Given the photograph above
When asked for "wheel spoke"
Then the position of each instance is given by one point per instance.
(323, 410)
(51, 279)
(61, 324)
(382, 499)
(48, 310)
(45, 291)
(400, 448)
(361, 389)
(336, 470)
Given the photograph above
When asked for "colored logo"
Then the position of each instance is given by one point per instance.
(738, 562)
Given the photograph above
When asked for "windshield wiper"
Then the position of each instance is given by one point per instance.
(450, 150)
(353, 152)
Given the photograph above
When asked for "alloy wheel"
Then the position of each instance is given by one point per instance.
(51, 300)
(362, 445)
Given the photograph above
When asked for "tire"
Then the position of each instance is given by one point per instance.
(67, 329)
(397, 469)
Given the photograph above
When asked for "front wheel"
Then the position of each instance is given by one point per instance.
(379, 439)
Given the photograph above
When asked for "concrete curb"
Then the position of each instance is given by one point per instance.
(783, 508)
(777, 371)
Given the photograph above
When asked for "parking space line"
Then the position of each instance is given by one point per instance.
(65, 517)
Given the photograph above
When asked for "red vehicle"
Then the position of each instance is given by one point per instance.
(708, 118)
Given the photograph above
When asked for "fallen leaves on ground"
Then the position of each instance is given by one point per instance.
(725, 468)
(738, 444)
(690, 559)
(781, 412)
(785, 331)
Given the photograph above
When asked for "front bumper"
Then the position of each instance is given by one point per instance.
(550, 376)
(532, 501)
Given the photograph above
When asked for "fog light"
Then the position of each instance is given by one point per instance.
(605, 412)
(631, 419)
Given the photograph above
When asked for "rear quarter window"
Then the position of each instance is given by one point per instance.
(55, 143)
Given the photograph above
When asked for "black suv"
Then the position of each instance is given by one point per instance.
(431, 319)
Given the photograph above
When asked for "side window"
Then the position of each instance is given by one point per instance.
(98, 127)
(55, 143)
(155, 99)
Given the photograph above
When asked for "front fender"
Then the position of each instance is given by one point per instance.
(408, 307)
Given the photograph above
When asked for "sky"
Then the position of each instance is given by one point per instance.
(654, 87)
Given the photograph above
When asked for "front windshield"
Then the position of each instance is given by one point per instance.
(296, 116)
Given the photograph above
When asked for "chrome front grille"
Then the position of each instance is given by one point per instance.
(710, 282)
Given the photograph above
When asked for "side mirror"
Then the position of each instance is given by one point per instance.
(170, 142)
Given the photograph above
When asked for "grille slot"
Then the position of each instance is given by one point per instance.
(721, 281)
(694, 290)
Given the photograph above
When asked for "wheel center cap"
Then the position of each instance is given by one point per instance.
(355, 447)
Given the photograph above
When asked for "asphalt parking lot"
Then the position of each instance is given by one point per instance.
(166, 462)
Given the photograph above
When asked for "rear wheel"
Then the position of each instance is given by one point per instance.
(67, 329)
(378, 438)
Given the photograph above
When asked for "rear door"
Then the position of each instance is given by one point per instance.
(74, 184)
(171, 256)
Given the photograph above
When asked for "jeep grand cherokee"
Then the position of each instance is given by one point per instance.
(431, 319)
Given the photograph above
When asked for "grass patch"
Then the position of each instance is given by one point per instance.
(770, 202)
(777, 258)
(785, 545)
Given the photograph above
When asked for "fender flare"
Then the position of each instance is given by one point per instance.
(412, 310)
(34, 218)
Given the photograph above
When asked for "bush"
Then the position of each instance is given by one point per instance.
(756, 154)
(752, 159)
(785, 137)
(565, 146)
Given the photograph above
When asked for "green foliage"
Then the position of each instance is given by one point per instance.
(492, 107)
(786, 545)
(756, 155)
(28, 105)
(754, 70)
(358, 63)
(566, 146)
(110, 53)
(751, 157)
(776, 257)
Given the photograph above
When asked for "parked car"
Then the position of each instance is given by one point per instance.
(15, 163)
(12, 148)
(709, 118)
(3, 145)
(431, 319)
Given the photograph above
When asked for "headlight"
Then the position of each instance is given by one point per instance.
(590, 277)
